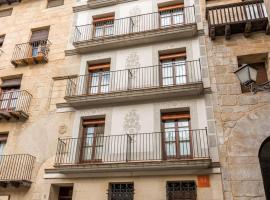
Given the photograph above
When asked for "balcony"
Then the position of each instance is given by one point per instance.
(14, 105)
(31, 53)
(137, 84)
(16, 170)
(103, 3)
(244, 17)
(132, 152)
(8, 1)
(134, 30)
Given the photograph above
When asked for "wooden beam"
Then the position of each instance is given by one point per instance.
(14, 115)
(15, 184)
(247, 30)
(212, 33)
(228, 32)
(3, 184)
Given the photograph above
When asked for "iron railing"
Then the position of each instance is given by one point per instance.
(158, 76)
(121, 191)
(17, 167)
(15, 101)
(134, 24)
(181, 190)
(38, 50)
(237, 13)
(143, 147)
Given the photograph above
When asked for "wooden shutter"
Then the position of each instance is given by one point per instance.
(2, 38)
(175, 116)
(103, 19)
(172, 7)
(104, 66)
(11, 83)
(3, 137)
(39, 35)
(6, 12)
(173, 56)
(93, 121)
(55, 3)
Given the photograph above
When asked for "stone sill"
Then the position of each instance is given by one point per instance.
(143, 95)
(127, 40)
(194, 167)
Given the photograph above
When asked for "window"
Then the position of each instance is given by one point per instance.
(6, 12)
(65, 193)
(38, 42)
(92, 142)
(181, 190)
(2, 38)
(55, 3)
(103, 26)
(121, 191)
(99, 78)
(3, 141)
(9, 93)
(171, 15)
(177, 135)
(173, 69)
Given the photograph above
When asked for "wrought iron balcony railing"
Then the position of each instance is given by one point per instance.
(128, 148)
(16, 169)
(14, 104)
(31, 53)
(134, 25)
(242, 17)
(159, 76)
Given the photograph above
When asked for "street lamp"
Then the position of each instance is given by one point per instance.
(247, 76)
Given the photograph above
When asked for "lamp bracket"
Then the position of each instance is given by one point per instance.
(254, 88)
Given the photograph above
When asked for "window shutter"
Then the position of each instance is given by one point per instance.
(39, 35)
(2, 38)
(173, 7)
(6, 12)
(103, 19)
(93, 121)
(175, 116)
(3, 137)
(105, 66)
(55, 3)
(8, 83)
(173, 56)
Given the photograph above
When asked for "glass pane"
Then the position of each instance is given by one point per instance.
(184, 148)
(183, 123)
(184, 135)
(87, 153)
(170, 149)
(109, 30)
(34, 51)
(165, 18)
(169, 135)
(2, 146)
(178, 17)
(98, 152)
(99, 31)
(95, 79)
(169, 124)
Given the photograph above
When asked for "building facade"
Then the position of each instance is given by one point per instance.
(238, 35)
(131, 99)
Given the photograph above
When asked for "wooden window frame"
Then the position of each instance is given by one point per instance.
(170, 9)
(100, 68)
(105, 21)
(176, 117)
(173, 57)
(100, 122)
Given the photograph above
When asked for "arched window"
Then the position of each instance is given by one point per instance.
(264, 157)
